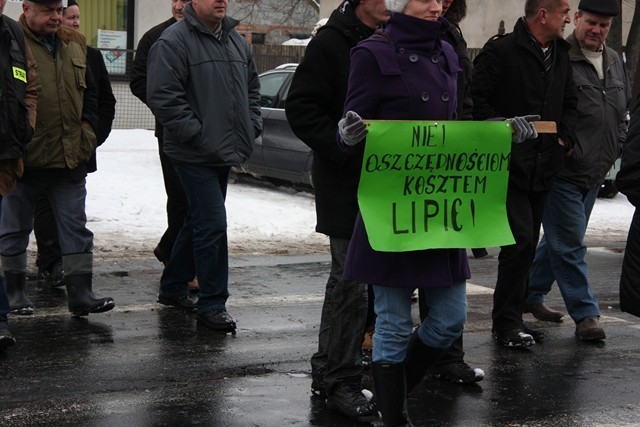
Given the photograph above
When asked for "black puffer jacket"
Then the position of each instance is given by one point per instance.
(314, 107)
(509, 79)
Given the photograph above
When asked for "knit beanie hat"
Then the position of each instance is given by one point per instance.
(396, 5)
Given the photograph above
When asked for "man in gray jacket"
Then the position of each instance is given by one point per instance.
(603, 97)
(204, 89)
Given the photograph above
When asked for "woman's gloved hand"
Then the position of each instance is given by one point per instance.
(523, 128)
(352, 128)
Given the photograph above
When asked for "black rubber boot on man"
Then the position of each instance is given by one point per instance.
(81, 299)
(15, 282)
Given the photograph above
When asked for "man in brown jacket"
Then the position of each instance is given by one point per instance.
(55, 159)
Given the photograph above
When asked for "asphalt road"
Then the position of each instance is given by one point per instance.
(144, 364)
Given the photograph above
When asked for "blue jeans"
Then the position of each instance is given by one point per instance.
(443, 324)
(560, 255)
(342, 324)
(201, 246)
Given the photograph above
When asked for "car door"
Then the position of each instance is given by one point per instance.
(284, 154)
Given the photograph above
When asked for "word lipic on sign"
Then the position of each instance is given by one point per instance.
(428, 185)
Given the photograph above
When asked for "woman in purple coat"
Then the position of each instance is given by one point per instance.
(405, 72)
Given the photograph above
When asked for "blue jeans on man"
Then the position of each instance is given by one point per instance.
(394, 323)
(560, 255)
(201, 246)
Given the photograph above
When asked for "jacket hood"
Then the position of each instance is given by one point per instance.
(344, 20)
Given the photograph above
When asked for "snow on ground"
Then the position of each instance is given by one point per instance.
(126, 207)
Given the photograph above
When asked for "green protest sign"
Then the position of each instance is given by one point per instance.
(428, 185)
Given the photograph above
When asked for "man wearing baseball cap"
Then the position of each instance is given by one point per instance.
(603, 99)
(55, 161)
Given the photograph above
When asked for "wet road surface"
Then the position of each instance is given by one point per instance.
(144, 364)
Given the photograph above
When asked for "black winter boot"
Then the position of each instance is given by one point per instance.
(420, 357)
(81, 298)
(15, 282)
(391, 393)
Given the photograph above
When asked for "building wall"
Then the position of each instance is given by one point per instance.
(272, 18)
(481, 23)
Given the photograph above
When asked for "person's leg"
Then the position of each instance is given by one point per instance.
(68, 197)
(541, 276)
(393, 329)
(347, 317)
(176, 206)
(6, 338)
(630, 276)
(524, 211)
(393, 324)
(46, 234)
(206, 189)
(16, 224)
(451, 365)
(565, 220)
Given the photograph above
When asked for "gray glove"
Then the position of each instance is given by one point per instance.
(523, 128)
(352, 129)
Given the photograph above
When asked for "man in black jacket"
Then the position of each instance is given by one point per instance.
(603, 95)
(49, 258)
(18, 99)
(176, 200)
(314, 107)
(526, 72)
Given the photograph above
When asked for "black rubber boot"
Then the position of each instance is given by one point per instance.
(81, 298)
(420, 357)
(391, 393)
(15, 282)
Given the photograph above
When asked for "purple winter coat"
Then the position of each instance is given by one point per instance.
(405, 72)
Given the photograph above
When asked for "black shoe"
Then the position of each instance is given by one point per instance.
(6, 339)
(52, 277)
(537, 334)
(347, 398)
(457, 373)
(514, 338)
(319, 388)
(182, 302)
(218, 320)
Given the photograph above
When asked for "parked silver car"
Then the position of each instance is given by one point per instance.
(278, 153)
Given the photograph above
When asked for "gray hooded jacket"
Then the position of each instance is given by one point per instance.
(205, 91)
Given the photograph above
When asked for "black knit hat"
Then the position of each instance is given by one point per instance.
(601, 7)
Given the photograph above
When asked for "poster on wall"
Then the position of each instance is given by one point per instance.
(113, 44)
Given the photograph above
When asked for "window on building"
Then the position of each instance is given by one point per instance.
(108, 25)
(258, 38)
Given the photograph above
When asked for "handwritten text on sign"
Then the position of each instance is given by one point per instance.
(427, 185)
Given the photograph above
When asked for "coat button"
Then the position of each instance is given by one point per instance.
(401, 50)
(413, 57)
(445, 97)
(425, 96)
(435, 59)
